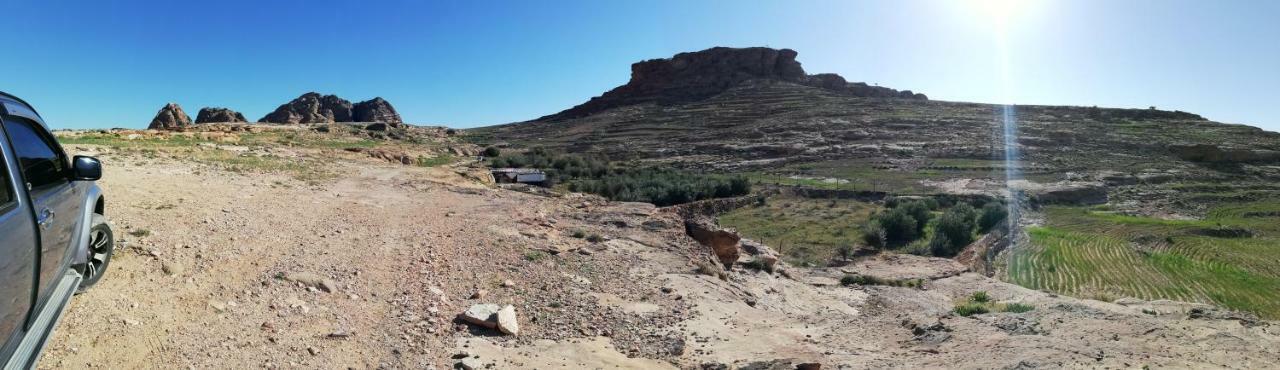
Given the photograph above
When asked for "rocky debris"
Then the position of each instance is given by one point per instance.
(479, 294)
(312, 108)
(723, 243)
(312, 280)
(1014, 324)
(388, 155)
(507, 322)
(694, 76)
(482, 314)
(376, 110)
(1216, 154)
(931, 334)
(170, 117)
(376, 126)
(218, 115)
(1245, 319)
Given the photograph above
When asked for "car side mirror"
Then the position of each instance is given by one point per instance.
(85, 168)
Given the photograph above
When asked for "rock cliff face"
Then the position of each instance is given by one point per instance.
(376, 110)
(315, 108)
(312, 108)
(171, 117)
(694, 76)
(218, 115)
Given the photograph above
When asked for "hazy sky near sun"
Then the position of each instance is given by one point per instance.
(87, 64)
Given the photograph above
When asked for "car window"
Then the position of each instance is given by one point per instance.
(42, 166)
(6, 191)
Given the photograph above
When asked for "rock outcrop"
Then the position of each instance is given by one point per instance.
(1215, 154)
(723, 243)
(171, 117)
(699, 75)
(312, 108)
(376, 110)
(218, 115)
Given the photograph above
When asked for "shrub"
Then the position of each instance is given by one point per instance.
(845, 251)
(980, 297)
(899, 227)
(1018, 307)
(919, 211)
(956, 226)
(140, 232)
(860, 280)
(534, 256)
(992, 214)
(491, 152)
(579, 234)
(873, 234)
(970, 309)
(595, 238)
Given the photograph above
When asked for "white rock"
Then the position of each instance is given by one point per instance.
(482, 315)
(507, 322)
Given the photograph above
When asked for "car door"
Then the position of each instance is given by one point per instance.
(45, 170)
(17, 255)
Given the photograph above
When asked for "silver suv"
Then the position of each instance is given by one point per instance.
(54, 237)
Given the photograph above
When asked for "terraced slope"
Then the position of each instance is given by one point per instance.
(1089, 253)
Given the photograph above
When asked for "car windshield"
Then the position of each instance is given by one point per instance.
(659, 184)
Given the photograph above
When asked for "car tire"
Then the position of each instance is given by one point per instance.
(101, 246)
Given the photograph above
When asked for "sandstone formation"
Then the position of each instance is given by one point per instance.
(171, 117)
(218, 115)
(311, 108)
(723, 243)
(694, 76)
(376, 110)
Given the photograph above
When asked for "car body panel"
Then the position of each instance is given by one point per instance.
(18, 246)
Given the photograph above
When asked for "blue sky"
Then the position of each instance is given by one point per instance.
(469, 63)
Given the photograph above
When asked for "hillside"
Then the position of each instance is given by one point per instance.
(1140, 191)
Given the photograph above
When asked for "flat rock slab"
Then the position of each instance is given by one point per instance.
(484, 314)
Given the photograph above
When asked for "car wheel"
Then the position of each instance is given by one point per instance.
(101, 246)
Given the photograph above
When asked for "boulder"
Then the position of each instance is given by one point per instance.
(507, 322)
(218, 115)
(312, 108)
(723, 243)
(484, 315)
(171, 117)
(376, 110)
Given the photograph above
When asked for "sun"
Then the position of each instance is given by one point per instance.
(999, 12)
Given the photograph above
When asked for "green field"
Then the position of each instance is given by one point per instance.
(805, 231)
(1097, 254)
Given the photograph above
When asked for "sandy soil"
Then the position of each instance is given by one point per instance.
(406, 248)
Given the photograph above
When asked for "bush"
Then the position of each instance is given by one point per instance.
(980, 297)
(970, 309)
(919, 211)
(899, 226)
(595, 238)
(579, 234)
(873, 234)
(491, 152)
(1018, 307)
(992, 214)
(956, 230)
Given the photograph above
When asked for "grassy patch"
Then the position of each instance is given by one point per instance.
(852, 279)
(804, 231)
(1096, 254)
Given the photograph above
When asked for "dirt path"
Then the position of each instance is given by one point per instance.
(406, 248)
